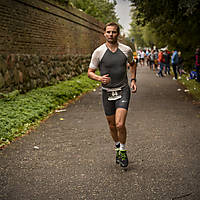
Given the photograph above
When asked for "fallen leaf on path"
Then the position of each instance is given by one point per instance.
(60, 110)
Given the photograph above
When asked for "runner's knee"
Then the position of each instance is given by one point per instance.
(112, 125)
(120, 125)
(111, 122)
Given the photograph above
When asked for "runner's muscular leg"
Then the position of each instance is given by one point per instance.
(120, 119)
(112, 126)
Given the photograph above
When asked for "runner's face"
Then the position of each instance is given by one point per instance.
(111, 34)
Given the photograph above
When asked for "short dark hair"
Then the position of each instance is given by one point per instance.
(112, 24)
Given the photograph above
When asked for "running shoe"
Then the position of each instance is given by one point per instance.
(117, 155)
(123, 158)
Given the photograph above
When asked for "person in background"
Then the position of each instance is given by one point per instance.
(135, 57)
(167, 62)
(151, 59)
(180, 64)
(174, 61)
(161, 63)
(156, 59)
(147, 57)
(139, 56)
(197, 63)
(142, 58)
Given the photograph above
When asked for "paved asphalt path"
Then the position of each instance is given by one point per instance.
(76, 156)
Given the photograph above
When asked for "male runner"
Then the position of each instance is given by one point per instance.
(111, 58)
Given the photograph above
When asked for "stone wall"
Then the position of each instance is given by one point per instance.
(28, 71)
(42, 43)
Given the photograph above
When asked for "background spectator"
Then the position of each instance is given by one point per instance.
(197, 63)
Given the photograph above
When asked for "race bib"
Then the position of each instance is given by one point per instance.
(114, 94)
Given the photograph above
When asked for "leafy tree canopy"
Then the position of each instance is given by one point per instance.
(167, 22)
(103, 10)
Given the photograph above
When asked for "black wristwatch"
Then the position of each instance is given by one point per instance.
(133, 79)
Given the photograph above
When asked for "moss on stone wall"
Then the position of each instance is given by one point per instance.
(25, 72)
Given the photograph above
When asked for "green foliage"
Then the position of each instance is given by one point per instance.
(9, 96)
(62, 2)
(192, 85)
(102, 10)
(136, 31)
(170, 22)
(20, 111)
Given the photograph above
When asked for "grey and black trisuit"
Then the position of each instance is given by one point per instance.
(115, 94)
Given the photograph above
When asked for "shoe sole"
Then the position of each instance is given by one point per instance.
(117, 160)
(122, 165)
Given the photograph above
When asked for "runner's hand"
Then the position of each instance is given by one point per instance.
(105, 79)
(133, 87)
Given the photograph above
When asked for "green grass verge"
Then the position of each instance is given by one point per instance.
(191, 85)
(19, 112)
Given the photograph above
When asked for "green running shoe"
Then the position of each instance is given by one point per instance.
(123, 158)
(117, 155)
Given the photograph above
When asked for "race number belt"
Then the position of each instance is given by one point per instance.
(114, 94)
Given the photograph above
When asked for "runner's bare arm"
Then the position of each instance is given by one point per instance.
(133, 68)
(103, 79)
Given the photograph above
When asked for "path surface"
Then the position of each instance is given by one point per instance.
(76, 157)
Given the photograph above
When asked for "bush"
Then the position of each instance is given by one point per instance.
(18, 112)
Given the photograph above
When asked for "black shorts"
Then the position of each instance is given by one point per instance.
(111, 106)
